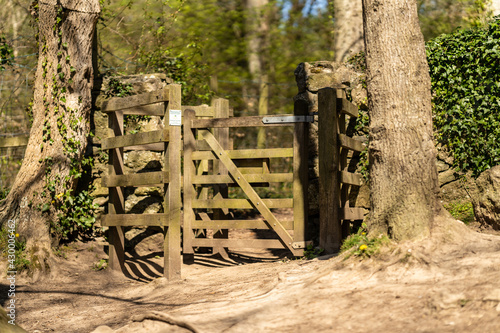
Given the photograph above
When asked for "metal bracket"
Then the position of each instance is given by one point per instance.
(301, 245)
(287, 119)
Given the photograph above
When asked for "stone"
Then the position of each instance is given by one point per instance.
(486, 198)
(103, 329)
(143, 204)
(310, 78)
(493, 295)
(442, 166)
(142, 160)
(447, 177)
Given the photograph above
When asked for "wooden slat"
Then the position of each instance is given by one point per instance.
(200, 110)
(246, 153)
(121, 103)
(131, 220)
(200, 145)
(157, 109)
(349, 108)
(160, 146)
(241, 203)
(138, 179)
(172, 241)
(352, 213)
(251, 178)
(350, 143)
(18, 141)
(136, 139)
(255, 121)
(116, 202)
(221, 191)
(189, 190)
(253, 197)
(300, 173)
(237, 224)
(239, 243)
(350, 178)
(330, 233)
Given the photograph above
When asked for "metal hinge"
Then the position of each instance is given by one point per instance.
(287, 119)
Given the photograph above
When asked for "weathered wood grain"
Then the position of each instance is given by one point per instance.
(122, 103)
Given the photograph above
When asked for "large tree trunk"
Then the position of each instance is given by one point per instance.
(348, 28)
(61, 113)
(403, 176)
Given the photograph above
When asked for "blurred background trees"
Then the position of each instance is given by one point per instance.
(246, 51)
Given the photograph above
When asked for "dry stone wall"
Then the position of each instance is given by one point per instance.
(310, 78)
(139, 199)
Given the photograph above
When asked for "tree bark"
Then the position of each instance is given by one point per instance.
(348, 28)
(61, 114)
(403, 175)
(257, 29)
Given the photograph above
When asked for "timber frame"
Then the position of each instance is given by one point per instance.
(210, 166)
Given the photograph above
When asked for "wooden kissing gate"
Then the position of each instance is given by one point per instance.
(199, 166)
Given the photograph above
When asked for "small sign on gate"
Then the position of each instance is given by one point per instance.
(175, 118)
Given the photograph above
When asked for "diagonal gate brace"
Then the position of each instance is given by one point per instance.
(254, 198)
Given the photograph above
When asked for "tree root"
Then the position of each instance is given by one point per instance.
(155, 315)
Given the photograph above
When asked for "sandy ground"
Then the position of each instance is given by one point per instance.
(448, 283)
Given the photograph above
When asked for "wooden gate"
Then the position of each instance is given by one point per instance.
(210, 167)
(208, 140)
(168, 141)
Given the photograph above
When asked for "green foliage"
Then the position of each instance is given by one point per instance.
(444, 16)
(461, 210)
(465, 73)
(20, 260)
(361, 244)
(76, 214)
(116, 88)
(6, 53)
(3, 193)
(101, 265)
(311, 252)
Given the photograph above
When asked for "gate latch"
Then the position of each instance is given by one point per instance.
(287, 119)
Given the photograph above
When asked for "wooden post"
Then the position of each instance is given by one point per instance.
(221, 110)
(344, 191)
(116, 203)
(189, 191)
(263, 109)
(330, 235)
(172, 243)
(300, 175)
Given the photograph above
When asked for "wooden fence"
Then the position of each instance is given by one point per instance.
(168, 140)
(199, 138)
(16, 141)
(335, 180)
(245, 169)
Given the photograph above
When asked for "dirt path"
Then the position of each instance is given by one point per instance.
(450, 283)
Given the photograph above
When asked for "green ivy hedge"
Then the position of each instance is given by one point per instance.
(465, 75)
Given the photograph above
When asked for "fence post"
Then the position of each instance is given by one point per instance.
(221, 110)
(330, 235)
(116, 202)
(172, 242)
(300, 174)
(344, 187)
(189, 191)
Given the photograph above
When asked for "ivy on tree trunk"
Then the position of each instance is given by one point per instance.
(61, 124)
